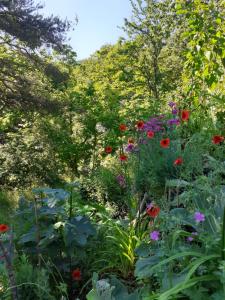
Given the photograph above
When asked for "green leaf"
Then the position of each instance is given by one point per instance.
(143, 266)
(177, 183)
(31, 236)
(77, 231)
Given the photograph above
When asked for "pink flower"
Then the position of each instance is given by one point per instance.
(199, 217)
(154, 235)
(191, 238)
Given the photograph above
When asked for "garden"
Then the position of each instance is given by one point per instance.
(112, 168)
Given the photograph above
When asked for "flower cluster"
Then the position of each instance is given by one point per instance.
(153, 126)
(148, 131)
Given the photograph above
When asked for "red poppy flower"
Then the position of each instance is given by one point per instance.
(108, 149)
(150, 134)
(3, 228)
(123, 157)
(123, 127)
(131, 141)
(165, 143)
(140, 124)
(185, 114)
(76, 274)
(153, 211)
(217, 139)
(178, 161)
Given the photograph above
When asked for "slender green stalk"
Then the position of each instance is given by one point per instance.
(70, 256)
(10, 270)
(38, 238)
(223, 237)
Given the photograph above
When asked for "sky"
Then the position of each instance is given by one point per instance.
(98, 21)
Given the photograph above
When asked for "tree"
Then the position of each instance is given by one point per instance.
(20, 20)
(155, 29)
(35, 67)
(24, 66)
(204, 56)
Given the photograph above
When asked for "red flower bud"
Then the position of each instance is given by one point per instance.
(185, 114)
(123, 127)
(150, 134)
(178, 161)
(76, 274)
(123, 157)
(140, 124)
(108, 149)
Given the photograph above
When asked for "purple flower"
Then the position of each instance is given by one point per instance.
(121, 180)
(199, 217)
(172, 104)
(175, 111)
(173, 122)
(129, 148)
(154, 235)
(154, 124)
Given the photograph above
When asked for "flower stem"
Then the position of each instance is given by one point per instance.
(223, 237)
(11, 275)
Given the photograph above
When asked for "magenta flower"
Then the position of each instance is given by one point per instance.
(154, 235)
(121, 180)
(199, 217)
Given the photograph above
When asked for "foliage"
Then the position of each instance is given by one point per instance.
(204, 63)
(50, 234)
(143, 216)
(111, 289)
